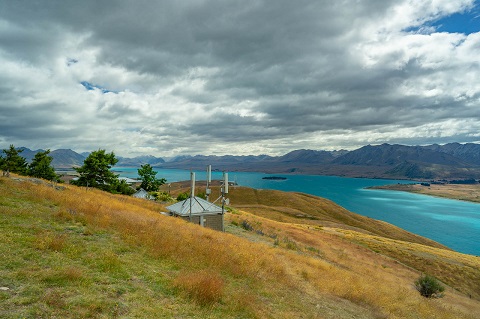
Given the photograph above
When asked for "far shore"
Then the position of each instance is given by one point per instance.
(465, 192)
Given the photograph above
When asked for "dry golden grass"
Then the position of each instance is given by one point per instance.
(283, 270)
(460, 271)
(356, 273)
(204, 286)
(293, 207)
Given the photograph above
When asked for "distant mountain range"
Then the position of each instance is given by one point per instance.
(67, 159)
(449, 161)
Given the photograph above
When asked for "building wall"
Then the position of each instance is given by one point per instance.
(210, 221)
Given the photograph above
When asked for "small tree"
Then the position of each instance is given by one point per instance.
(13, 162)
(95, 171)
(41, 167)
(429, 287)
(148, 176)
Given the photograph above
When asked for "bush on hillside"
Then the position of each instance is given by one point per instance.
(183, 196)
(246, 225)
(202, 195)
(429, 287)
(121, 187)
(163, 197)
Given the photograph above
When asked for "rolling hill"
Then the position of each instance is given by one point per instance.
(92, 254)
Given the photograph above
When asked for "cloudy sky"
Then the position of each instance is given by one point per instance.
(238, 77)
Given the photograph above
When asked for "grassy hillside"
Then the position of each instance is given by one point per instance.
(304, 211)
(293, 207)
(72, 253)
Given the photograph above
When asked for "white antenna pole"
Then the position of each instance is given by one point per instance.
(209, 179)
(225, 183)
(192, 189)
(192, 192)
(224, 192)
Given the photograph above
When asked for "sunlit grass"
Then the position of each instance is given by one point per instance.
(205, 287)
(82, 253)
(362, 276)
(293, 207)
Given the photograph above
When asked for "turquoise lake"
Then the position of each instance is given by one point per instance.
(453, 223)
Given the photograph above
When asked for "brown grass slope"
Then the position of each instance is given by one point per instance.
(92, 254)
(294, 207)
(459, 270)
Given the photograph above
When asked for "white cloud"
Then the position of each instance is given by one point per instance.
(221, 77)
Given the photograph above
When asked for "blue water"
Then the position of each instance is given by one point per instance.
(453, 223)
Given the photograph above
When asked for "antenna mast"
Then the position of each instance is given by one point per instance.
(192, 192)
(209, 180)
(224, 191)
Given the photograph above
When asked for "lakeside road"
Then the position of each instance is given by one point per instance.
(470, 193)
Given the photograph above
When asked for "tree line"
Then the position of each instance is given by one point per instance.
(40, 166)
(95, 171)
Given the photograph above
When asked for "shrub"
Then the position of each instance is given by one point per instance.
(247, 226)
(120, 187)
(231, 210)
(183, 196)
(429, 287)
(164, 197)
(153, 195)
(290, 244)
(260, 232)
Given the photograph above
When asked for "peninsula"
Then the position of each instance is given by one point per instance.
(465, 192)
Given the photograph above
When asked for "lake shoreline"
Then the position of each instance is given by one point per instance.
(462, 192)
(421, 215)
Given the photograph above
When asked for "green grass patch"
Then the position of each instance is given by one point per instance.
(55, 265)
(77, 254)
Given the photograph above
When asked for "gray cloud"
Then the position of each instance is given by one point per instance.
(248, 77)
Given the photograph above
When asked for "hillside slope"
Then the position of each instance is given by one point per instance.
(85, 253)
(312, 212)
(294, 207)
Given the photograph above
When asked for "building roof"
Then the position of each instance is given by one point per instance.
(141, 193)
(129, 180)
(199, 206)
